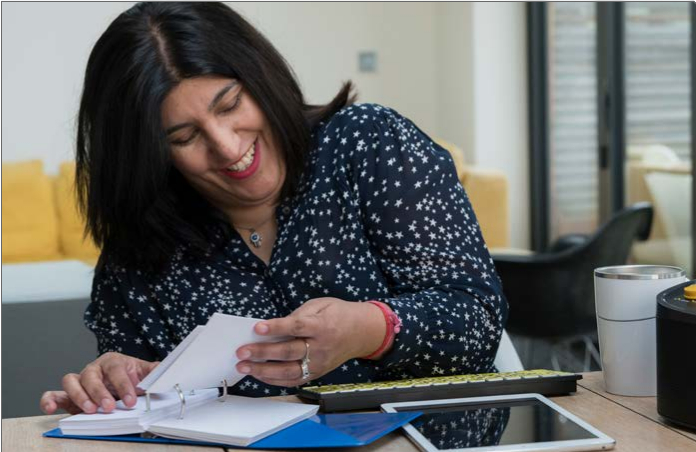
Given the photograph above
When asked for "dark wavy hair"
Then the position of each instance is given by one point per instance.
(138, 208)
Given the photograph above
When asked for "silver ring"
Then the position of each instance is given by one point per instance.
(304, 364)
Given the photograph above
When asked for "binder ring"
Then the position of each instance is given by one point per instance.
(224, 391)
(304, 364)
(183, 400)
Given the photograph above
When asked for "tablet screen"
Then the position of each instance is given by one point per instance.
(494, 423)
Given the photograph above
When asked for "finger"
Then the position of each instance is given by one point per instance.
(94, 383)
(292, 325)
(48, 402)
(73, 387)
(290, 370)
(283, 383)
(51, 401)
(139, 372)
(289, 383)
(122, 381)
(277, 351)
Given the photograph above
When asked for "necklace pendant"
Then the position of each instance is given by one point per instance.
(255, 239)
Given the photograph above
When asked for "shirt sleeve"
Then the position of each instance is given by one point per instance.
(111, 318)
(427, 242)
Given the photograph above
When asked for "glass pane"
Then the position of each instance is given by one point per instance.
(658, 109)
(573, 174)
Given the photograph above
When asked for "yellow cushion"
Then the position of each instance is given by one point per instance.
(488, 192)
(73, 244)
(29, 222)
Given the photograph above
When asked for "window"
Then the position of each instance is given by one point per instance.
(642, 53)
(572, 93)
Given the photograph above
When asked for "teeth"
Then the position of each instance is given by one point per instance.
(245, 161)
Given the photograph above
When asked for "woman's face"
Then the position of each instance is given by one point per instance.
(221, 143)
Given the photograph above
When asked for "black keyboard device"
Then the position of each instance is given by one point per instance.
(367, 396)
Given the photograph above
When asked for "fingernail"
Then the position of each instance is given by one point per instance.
(244, 369)
(105, 402)
(88, 406)
(262, 328)
(244, 354)
(128, 399)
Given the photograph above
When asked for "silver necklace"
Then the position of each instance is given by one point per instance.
(255, 238)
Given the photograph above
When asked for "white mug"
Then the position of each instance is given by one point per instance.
(625, 300)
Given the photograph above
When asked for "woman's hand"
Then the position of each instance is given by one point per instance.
(335, 330)
(111, 376)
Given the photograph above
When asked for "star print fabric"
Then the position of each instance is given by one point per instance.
(379, 215)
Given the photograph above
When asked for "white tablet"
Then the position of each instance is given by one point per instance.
(521, 422)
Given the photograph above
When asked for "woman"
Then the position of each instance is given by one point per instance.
(211, 186)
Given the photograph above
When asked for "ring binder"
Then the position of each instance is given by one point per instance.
(182, 397)
(183, 400)
(224, 391)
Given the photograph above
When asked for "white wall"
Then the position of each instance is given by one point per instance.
(455, 75)
(46, 45)
(456, 69)
(500, 103)
(321, 42)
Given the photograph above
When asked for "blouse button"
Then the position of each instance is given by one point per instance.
(286, 210)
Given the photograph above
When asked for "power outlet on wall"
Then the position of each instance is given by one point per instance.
(367, 61)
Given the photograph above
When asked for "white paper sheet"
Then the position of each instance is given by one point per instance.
(208, 358)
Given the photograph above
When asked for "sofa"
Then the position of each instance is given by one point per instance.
(40, 218)
(47, 269)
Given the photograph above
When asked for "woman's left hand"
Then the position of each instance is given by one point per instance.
(335, 331)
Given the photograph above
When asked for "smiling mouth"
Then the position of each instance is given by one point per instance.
(245, 162)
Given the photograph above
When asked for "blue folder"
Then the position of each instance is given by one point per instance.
(320, 431)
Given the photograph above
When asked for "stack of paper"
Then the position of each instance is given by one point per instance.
(234, 420)
(203, 360)
(231, 420)
(124, 421)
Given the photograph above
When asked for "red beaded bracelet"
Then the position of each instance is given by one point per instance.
(393, 327)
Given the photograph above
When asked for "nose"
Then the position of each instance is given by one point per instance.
(225, 145)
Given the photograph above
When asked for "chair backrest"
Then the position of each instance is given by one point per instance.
(553, 294)
(507, 359)
(610, 245)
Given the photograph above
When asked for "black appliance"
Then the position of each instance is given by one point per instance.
(676, 354)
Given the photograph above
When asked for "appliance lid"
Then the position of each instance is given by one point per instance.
(673, 305)
(634, 272)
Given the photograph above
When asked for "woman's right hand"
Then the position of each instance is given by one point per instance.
(110, 377)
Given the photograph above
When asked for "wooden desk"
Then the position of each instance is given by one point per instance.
(632, 421)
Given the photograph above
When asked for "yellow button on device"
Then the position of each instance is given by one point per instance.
(690, 292)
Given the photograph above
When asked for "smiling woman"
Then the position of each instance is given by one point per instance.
(212, 186)
(224, 147)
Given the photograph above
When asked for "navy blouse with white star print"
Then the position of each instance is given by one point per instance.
(379, 215)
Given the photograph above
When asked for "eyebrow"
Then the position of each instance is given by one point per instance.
(216, 100)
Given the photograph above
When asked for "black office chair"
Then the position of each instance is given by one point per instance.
(551, 294)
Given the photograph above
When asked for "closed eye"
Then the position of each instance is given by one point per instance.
(235, 104)
(186, 141)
